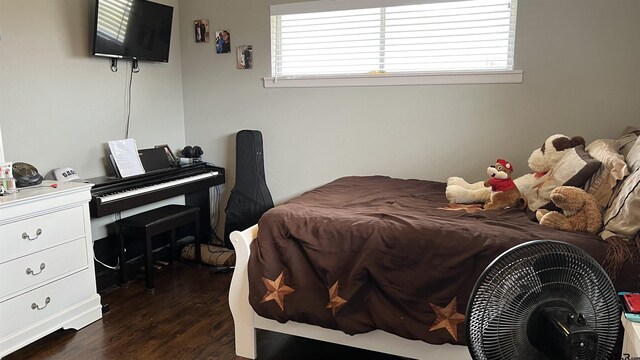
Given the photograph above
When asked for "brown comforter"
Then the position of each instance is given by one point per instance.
(365, 253)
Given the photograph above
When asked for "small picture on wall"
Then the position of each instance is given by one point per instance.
(245, 57)
(201, 30)
(223, 42)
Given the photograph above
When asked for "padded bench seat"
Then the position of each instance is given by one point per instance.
(150, 223)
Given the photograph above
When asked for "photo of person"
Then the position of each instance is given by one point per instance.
(244, 56)
(223, 42)
(201, 30)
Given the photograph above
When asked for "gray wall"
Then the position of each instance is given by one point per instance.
(580, 59)
(59, 105)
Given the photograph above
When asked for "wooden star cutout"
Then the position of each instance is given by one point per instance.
(276, 290)
(335, 301)
(448, 318)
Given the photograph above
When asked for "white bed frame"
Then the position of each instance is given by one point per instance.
(247, 321)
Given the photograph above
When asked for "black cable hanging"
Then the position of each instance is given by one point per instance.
(126, 134)
(134, 69)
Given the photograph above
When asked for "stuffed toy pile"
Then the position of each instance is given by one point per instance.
(580, 211)
(541, 161)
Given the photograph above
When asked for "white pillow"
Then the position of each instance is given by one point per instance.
(622, 217)
(633, 156)
(613, 169)
(627, 139)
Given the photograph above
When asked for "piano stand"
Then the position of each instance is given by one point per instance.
(154, 222)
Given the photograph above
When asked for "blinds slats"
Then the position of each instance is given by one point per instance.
(432, 69)
(414, 40)
(395, 29)
(319, 54)
(420, 60)
(416, 58)
(424, 16)
(446, 35)
(337, 6)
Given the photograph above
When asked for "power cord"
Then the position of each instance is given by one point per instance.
(215, 218)
(128, 107)
(212, 258)
(117, 217)
(117, 267)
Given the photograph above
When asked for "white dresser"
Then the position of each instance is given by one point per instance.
(47, 279)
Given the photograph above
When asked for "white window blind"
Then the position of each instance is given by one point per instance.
(428, 37)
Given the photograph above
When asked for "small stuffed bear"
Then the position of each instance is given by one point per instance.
(581, 213)
(504, 192)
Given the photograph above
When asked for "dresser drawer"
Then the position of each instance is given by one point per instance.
(41, 232)
(31, 308)
(40, 267)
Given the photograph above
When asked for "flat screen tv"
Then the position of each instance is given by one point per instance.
(132, 29)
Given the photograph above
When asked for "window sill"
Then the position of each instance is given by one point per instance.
(452, 78)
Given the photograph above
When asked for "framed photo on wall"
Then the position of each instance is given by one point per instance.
(201, 28)
(244, 57)
(223, 41)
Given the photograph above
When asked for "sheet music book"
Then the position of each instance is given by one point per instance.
(112, 161)
(126, 158)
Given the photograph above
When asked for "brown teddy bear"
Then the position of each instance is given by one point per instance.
(504, 193)
(581, 213)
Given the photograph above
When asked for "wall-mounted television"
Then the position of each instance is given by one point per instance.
(132, 29)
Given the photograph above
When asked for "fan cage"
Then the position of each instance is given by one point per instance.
(514, 284)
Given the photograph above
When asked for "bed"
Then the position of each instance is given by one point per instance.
(383, 264)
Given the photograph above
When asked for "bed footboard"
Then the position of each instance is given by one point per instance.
(246, 321)
(241, 310)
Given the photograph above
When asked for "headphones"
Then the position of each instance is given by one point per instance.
(192, 152)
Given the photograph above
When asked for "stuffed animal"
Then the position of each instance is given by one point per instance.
(504, 193)
(580, 211)
(540, 162)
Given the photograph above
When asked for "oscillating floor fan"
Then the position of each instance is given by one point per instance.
(543, 300)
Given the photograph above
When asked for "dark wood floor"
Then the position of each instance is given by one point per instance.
(187, 317)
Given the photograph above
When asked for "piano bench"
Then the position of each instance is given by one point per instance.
(150, 223)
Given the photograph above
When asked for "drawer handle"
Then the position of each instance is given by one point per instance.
(35, 306)
(27, 237)
(30, 272)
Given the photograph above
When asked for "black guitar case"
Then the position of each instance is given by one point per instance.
(250, 197)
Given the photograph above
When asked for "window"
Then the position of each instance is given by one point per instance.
(344, 39)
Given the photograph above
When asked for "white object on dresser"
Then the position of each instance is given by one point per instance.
(631, 341)
(47, 278)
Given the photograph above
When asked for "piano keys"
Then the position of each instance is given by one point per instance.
(111, 195)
